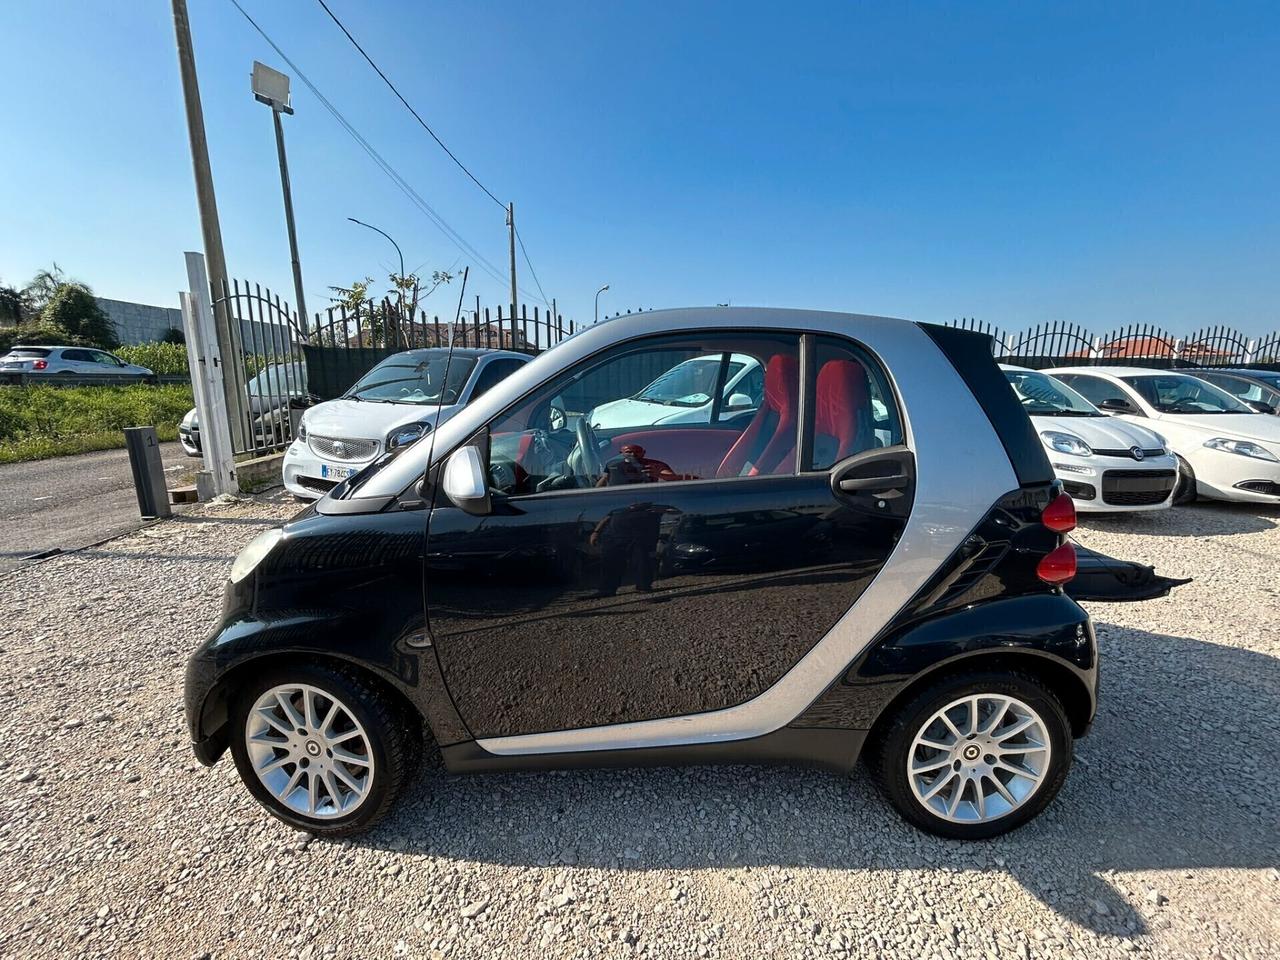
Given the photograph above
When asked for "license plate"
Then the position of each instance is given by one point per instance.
(335, 473)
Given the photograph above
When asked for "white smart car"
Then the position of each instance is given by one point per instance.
(392, 405)
(1225, 449)
(1106, 465)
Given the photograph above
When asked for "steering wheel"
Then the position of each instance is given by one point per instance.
(588, 448)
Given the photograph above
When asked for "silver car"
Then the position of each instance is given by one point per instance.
(85, 362)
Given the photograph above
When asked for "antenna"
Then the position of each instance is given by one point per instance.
(448, 361)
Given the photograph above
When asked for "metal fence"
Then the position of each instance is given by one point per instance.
(285, 363)
(1060, 343)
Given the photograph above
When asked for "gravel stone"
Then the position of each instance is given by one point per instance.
(1169, 819)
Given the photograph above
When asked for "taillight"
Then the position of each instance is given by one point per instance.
(1060, 515)
(1059, 566)
(39, 364)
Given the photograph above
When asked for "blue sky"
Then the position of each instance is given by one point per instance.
(1018, 162)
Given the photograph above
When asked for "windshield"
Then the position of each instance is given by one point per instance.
(1042, 395)
(279, 380)
(1178, 393)
(688, 384)
(406, 378)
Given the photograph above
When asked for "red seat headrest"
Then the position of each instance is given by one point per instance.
(842, 400)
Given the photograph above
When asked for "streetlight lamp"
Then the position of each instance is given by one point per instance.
(400, 282)
(598, 292)
(272, 88)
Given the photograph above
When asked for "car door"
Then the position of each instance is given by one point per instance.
(78, 362)
(660, 571)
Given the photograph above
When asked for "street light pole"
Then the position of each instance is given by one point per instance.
(398, 253)
(272, 88)
(598, 292)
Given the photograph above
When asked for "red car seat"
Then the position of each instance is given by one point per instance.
(842, 408)
(768, 445)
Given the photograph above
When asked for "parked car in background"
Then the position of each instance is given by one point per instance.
(1225, 449)
(1106, 464)
(684, 394)
(1260, 389)
(72, 362)
(272, 393)
(391, 406)
(853, 598)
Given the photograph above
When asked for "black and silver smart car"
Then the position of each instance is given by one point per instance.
(864, 558)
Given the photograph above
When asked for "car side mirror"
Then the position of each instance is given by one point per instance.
(739, 401)
(557, 416)
(1260, 406)
(464, 482)
(1117, 405)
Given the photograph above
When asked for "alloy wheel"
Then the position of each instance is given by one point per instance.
(309, 750)
(978, 758)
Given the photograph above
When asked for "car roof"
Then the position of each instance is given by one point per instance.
(472, 352)
(1109, 371)
(53, 346)
(1240, 371)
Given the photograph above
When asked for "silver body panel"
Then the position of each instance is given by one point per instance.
(961, 471)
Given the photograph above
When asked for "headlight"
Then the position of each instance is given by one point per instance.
(1066, 443)
(407, 434)
(1242, 447)
(302, 431)
(255, 553)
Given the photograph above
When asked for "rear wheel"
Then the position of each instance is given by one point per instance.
(322, 748)
(1184, 490)
(974, 755)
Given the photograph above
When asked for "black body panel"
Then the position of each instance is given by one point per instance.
(1046, 626)
(830, 749)
(970, 354)
(347, 588)
(582, 608)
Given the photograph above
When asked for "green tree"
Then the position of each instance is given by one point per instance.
(13, 305)
(41, 288)
(73, 310)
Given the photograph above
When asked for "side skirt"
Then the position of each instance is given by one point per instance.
(825, 747)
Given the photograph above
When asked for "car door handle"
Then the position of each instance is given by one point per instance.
(896, 481)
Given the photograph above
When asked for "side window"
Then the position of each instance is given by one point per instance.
(743, 390)
(495, 372)
(1093, 389)
(77, 356)
(106, 359)
(854, 409)
(652, 412)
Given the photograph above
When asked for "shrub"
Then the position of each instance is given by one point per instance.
(165, 359)
(39, 422)
(73, 309)
(38, 335)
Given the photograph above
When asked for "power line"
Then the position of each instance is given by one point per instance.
(450, 233)
(533, 273)
(425, 126)
(408, 106)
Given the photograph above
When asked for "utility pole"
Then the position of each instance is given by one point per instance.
(272, 88)
(208, 204)
(511, 238)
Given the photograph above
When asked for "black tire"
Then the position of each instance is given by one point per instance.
(1184, 490)
(394, 741)
(890, 749)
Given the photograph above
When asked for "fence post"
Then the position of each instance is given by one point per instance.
(1250, 351)
(1095, 348)
(206, 366)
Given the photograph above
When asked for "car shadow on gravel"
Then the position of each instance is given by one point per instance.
(1200, 519)
(1177, 775)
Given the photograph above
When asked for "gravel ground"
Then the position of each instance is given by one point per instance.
(113, 841)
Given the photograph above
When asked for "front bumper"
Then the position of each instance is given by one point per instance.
(1116, 484)
(1219, 476)
(309, 476)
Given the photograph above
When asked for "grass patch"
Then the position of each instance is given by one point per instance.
(41, 422)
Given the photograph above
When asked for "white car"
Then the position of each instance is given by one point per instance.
(684, 393)
(1107, 465)
(391, 406)
(86, 362)
(1225, 449)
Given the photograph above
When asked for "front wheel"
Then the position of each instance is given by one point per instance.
(1184, 490)
(974, 755)
(322, 748)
